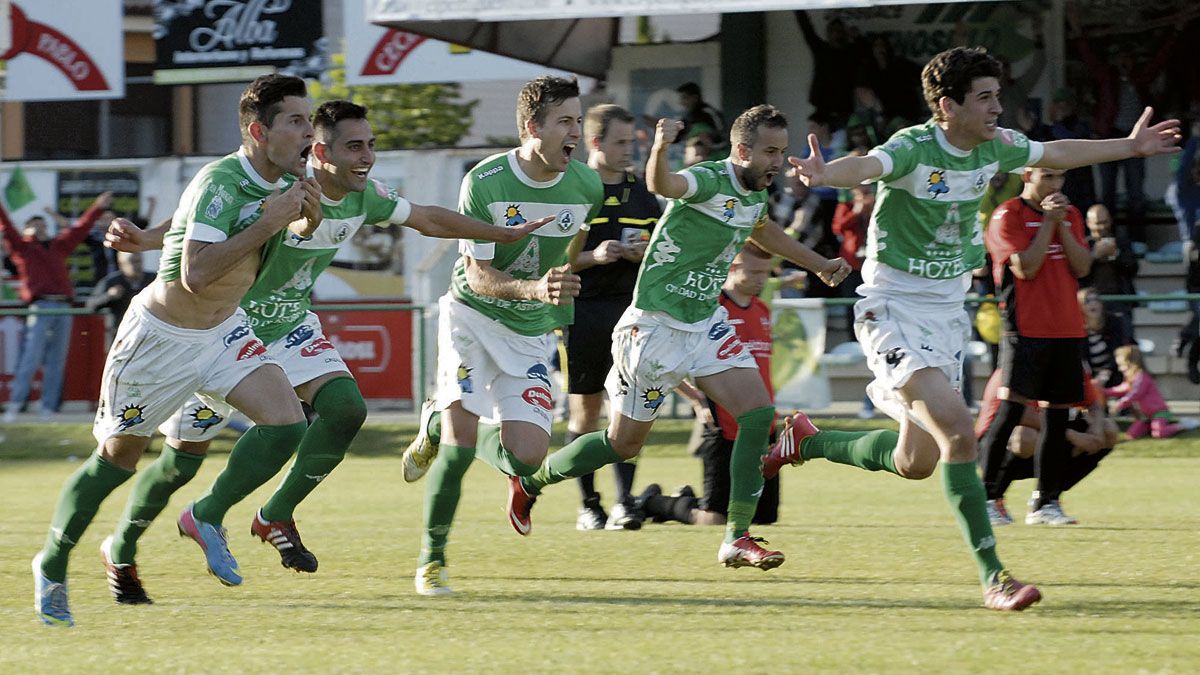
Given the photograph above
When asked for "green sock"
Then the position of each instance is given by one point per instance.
(965, 491)
(870, 450)
(443, 485)
(151, 491)
(259, 454)
(77, 505)
(745, 469)
(489, 449)
(340, 414)
(578, 458)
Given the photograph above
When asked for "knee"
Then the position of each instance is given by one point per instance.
(284, 435)
(189, 447)
(625, 448)
(916, 467)
(340, 403)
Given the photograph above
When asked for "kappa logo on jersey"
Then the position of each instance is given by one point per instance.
(319, 345)
(653, 398)
(241, 331)
(251, 349)
(566, 220)
(131, 415)
(512, 216)
(205, 417)
(490, 172)
(463, 375)
(892, 356)
(540, 373)
(538, 396)
(729, 211)
(937, 183)
(719, 330)
(299, 335)
(730, 348)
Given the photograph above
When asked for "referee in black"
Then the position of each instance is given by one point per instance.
(607, 267)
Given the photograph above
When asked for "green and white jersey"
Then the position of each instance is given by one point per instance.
(282, 294)
(223, 199)
(925, 223)
(497, 191)
(688, 257)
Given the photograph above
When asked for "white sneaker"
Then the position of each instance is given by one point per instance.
(623, 517)
(591, 517)
(998, 513)
(422, 451)
(432, 579)
(1050, 514)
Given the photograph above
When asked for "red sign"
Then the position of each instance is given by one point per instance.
(390, 51)
(60, 51)
(377, 346)
(85, 361)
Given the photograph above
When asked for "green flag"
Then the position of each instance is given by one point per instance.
(18, 192)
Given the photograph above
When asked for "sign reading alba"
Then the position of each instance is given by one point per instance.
(236, 40)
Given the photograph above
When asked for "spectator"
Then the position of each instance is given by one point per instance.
(1140, 394)
(1113, 264)
(90, 261)
(41, 263)
(1064, 122)
(698, 148)
(698, 115)
(1187, 185)
(892, 77)
(1105, 332)
(835, 66)
(115, 291)
(1014, 91)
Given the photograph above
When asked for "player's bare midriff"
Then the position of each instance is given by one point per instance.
(171, 302)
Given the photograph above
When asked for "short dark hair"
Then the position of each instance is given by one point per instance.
(540, 94)
(329, 113)
(690, 88)
(598, 119)
(263, 99)
(951, 73)
(745, 127)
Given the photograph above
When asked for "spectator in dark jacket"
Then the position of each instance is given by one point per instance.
(115, 291)
(1114, 265)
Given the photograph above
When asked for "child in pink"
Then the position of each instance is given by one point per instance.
(1139, 392)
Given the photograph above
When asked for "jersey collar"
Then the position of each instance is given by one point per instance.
(733, 178)
(947, 145)
(257, 178)
(521, 176)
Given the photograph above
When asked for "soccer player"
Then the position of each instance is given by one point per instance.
(1038, 249)
(278, 306)
(495, 328)
(924, 239)
(185, 333)
(676, 328)
(607, 268)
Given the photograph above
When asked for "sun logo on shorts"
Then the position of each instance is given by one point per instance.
(205, 417)
(653, 398)
(729, 212)
(130, 415)
(464, 379)
(937, 183)
(513, 216)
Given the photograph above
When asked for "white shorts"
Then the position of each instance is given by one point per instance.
(900, 338)
(304, 354)
(651, 358)
(154, 367)
(498, 374)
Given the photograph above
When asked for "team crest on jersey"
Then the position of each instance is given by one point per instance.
(937, 183)
(463, 375)
(131, 415)
(653, 398)
(566, 220)
(299, 335)
(213, 210)
(205, 417)
(729, 211)
(980, 182)
(512, 216)
(341, 233)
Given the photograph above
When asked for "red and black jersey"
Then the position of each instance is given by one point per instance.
(752, 324)
(1046, 305)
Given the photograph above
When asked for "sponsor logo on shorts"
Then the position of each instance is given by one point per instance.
(319, 345)
(926, 348)
(540, 373)
(236, 334)
(652, 398)
(892, 356)
(131, 416)
(251, 349)
(730, 348)
(205, 417)
(299, 335)
(718, 331)
(464, 379)
(538, 396)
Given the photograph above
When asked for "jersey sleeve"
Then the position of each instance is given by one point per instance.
(385, 205)
(899, 156)
(1077, 228)
(1014, 150)
(214, 214)
(1003, 236)
(702, 182)
(471, 202)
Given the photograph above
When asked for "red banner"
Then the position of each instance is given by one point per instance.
(38, 39)
(377, 346)
(390, 52)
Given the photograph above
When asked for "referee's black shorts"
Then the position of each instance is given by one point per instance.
(1043, 369)
(589, 343)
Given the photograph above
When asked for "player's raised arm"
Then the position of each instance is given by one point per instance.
(435, 221)
(659, 177)
(845, 172)
(1146, 140)
(123, 235)
(773, 239)
(557, 287)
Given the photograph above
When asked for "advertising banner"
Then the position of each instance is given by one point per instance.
(377, 346)
(798, 331)
(237, 40)
(62, 50)
(85, 360)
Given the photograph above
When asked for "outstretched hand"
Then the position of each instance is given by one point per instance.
(1158, 139)
(811, 170)
(519, 232)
